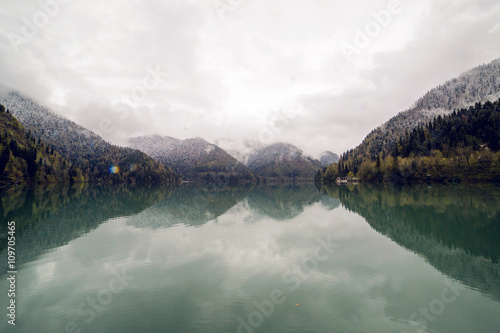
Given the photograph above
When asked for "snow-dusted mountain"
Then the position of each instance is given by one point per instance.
(82, 147)
(283, 162)
(479, 84)
(49, 127)
(193, 159)
(328, 158)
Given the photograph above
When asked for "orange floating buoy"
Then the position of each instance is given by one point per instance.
(297, 304)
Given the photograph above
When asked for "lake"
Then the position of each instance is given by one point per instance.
(254, 259)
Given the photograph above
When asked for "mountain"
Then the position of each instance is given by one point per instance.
(25, 161)
(99, 161)
(462, 146)
(282, 162)
(479, 84)
(194, 159)
(267, 162)
(435, 139)
(327, 158)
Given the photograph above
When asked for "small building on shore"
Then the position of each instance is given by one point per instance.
(346, 180)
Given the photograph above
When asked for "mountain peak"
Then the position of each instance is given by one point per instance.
(194, 158)
(328, 158)
(282, 161)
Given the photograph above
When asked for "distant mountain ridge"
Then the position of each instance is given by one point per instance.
(282, 162)
(194, 159)
(327, 158)
(99, 160)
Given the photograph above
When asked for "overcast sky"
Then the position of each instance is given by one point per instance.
(265, 70)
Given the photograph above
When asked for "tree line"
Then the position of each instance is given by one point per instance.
(27, 161)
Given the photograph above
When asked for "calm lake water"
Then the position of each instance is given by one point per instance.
(261, 259)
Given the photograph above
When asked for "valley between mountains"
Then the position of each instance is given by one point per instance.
(451, 134)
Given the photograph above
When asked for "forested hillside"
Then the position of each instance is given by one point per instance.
(25, 161)
(99, 161)
(479, 84)
(462, 146)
